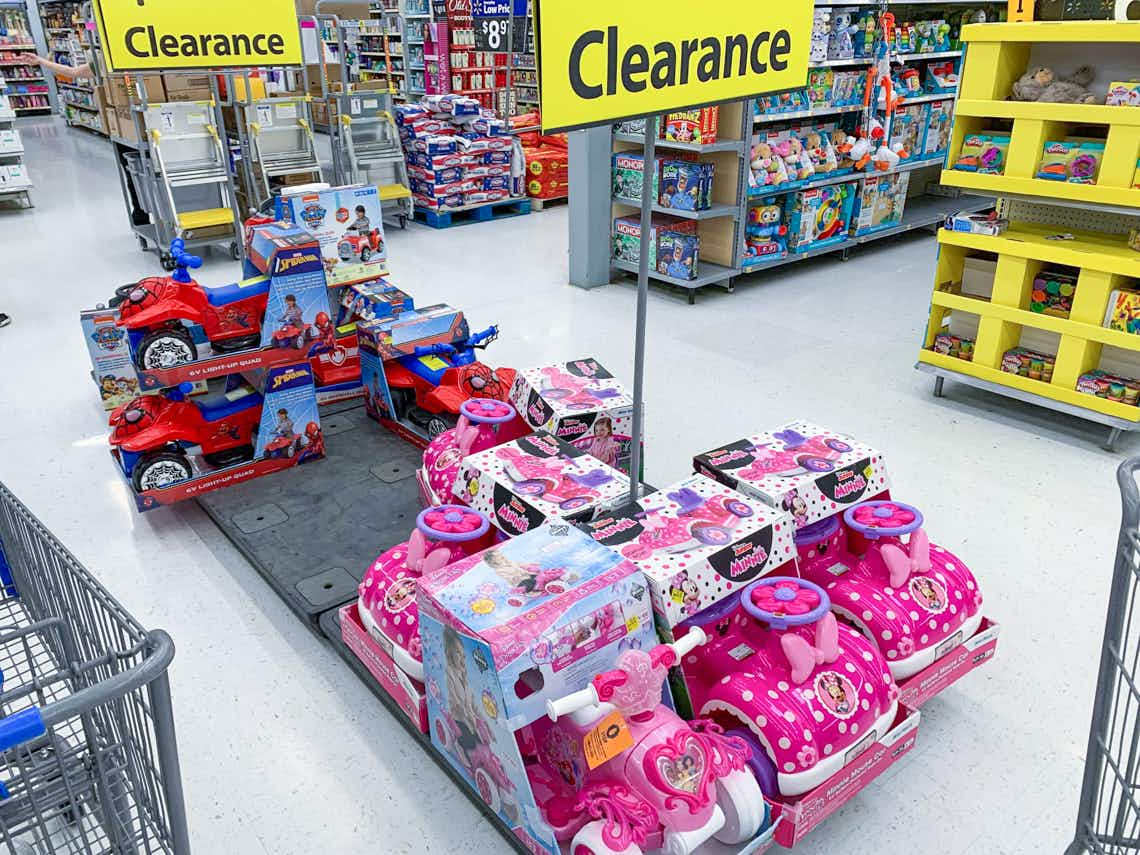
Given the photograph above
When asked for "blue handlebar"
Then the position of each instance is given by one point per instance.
(487, 336)
(183, 260)
(436, 350)
(21, 727)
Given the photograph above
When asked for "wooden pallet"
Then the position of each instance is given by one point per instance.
(543, 204)
(476, 214)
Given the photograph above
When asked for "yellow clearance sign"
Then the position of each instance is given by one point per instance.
(604, 60)
(158, 35)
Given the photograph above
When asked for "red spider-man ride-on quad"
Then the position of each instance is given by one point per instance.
(429, 386)
(154, 433)
(156, 311)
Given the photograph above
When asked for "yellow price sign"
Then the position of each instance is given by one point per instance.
(162, 35)
(600, 61)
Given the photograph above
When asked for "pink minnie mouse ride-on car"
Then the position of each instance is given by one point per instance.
(483, 423)
(558, 480)
(796, 455)
(914, 600)
(697, 522)
(387, 603)
(806, 692)
(676, 786)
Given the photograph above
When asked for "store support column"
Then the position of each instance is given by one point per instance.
(590, 213)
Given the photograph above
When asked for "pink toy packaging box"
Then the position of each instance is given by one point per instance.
(581, 403)
(807, 470)
(406, 692)
(696, 541)
(522, 484)
(528, 621)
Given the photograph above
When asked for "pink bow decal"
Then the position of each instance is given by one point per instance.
(915, 560)
(804, 657)
(420, 560)
(465, 434)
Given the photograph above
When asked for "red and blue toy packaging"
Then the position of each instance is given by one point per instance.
(346, 221)
(678, 255)
(580, 402)
(819, 217)
(693, 126)
(372, 301)
(522, 484)
(686, 185)
(807, 470)
(505, 632)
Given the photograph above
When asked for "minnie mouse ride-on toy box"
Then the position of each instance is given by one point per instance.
(580, 402)
(524, 483)
(805, 469)
(812, 698)
(492, 659)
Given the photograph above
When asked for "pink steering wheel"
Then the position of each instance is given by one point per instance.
(452, 523)
(883, 519)
(486, 411)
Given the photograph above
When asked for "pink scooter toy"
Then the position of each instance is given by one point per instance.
(914, 600)
(561, 481)
(806, 692)
(699, 521)
(675, 785)
(387, 603)
(574, 392)
(795, 455)
(483, 423)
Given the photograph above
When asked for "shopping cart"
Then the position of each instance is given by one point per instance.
(1108, 819)
(88, 757)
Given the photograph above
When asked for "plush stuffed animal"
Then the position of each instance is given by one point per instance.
(1042, 84)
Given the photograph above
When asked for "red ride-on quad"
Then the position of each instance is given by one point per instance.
(156, 312)
(155, 432)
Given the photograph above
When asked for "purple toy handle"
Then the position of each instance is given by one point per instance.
(452, 514)
(485, 411)
(881, 511)
(777, 621)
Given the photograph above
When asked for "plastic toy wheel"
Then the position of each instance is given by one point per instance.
(883, 519)
(165, 349)
(531, 487)
(745, 813)
(452, 524)
(738, 509)
(443, 735)
(590, 841)
(488, 791)
(555, 587)
(365, 255)
(437, 426)
(785, 601)
(299, 341)
(161, 469)
(814, 464)
(486, 411)
(761, 765)
(574, 503)
(712, 535)
(838, 445)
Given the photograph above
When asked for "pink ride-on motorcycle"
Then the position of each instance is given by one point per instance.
(387, 602)
(675, 786)
(796, 455)
(698, 522)
(806, 692)
(914, 600)
(483, 423)
(559, 480)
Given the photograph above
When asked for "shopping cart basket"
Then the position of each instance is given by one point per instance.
(1108, 819)
(88, 757)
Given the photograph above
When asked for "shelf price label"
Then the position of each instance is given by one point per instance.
(601, 61)
(491, 33)
(172, 35)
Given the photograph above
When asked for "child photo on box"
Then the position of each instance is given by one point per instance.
(603, 446)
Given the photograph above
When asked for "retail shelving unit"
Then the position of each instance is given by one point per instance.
(26, 87)
(15, 183)
(1050, 225)
(382, 48)
(64, 26)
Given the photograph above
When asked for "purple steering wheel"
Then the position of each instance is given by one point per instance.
(883, 519)
(486, 411)
(785, 601)
(452, 523)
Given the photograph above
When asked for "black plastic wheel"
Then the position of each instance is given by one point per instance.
(365, 255)
(160, 469)
(166, 348)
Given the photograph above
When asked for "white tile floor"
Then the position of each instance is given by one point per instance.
(284, 751)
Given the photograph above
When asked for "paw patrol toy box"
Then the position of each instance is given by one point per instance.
(696, 541)
(529, 620)
(347, 223)
(807, 470)
(579, 402)
(535, 479)
(372, 301)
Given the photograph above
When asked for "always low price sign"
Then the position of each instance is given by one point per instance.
(601, 60)
(159, 35)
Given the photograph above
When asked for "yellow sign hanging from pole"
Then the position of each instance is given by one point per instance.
(605, 60)
(172, 35)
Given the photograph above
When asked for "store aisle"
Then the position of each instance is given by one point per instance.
(284, 751)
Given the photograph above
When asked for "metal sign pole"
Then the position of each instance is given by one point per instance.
(648, 173)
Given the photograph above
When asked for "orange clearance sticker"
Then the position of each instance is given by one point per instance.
(609, 739)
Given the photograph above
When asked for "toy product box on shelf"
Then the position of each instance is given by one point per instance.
(1123, 311)
(686, 185)
(112, 367)
(1112, 387)
(371, 301)
(972, 653)
(696, 541)
(693, 126)
(678, 255)
(1125, 93)
(908, 127)
(1053, 293)
(529, 620)
(627, 175)
(810, 471)
(539, 478)
(953, 345)
(347, 223)
(406, 692)
(170, 447)
(819, 217)
(627, 235)
(1029, 363)
(940, 118)
(580, 402)
(881, 204)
